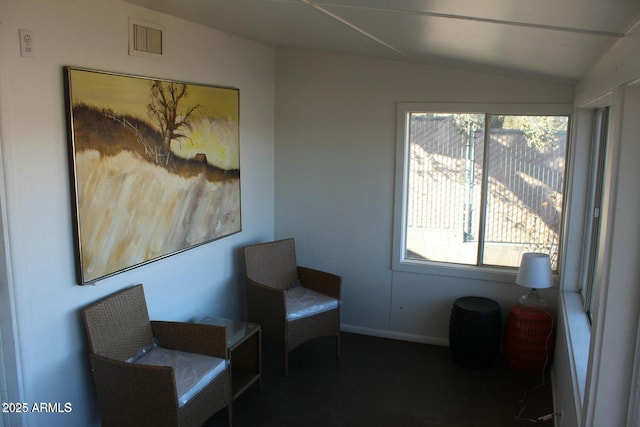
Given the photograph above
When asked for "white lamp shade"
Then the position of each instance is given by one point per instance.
(535, 271)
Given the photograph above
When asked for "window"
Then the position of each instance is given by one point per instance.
(594, 208)
(478, 188)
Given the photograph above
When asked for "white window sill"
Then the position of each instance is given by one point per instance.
(496, 274)
(485, 273)
(578, 333)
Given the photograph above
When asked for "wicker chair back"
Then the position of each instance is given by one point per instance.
(118, 325)
(272, 264)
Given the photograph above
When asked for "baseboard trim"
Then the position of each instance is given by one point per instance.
(394, 335)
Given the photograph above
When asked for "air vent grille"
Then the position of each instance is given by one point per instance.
(145, 39)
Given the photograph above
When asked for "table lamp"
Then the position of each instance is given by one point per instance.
(529, 335)
(534, 273)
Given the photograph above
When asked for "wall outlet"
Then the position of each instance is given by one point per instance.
(26, 44)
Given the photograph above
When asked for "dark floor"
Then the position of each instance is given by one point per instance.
(383, 382)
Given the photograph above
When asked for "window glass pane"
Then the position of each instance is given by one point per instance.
(444, 181)
(525, 167)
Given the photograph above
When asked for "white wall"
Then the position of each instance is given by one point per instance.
(605, 397)
(335, 160)
(616, 313)
(51, 348)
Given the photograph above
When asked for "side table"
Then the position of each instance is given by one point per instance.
(244, 343)
(475, 329)
(529, 339)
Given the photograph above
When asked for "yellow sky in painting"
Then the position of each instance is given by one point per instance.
(130, 95)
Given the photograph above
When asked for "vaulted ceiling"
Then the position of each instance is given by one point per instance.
(558, 40)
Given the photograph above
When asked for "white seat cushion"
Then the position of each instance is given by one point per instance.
(192, 371)
(303, 302)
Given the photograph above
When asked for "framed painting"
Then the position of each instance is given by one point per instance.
(154, 166)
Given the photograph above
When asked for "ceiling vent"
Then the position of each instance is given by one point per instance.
(145, 39)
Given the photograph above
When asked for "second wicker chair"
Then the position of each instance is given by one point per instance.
(293, 304)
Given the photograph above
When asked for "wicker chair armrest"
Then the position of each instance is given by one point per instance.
(191, 337)
(135, 392)
(320, 281)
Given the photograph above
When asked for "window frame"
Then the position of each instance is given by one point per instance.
(595, 198)
(399, 261)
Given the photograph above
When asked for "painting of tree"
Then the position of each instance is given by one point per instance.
(164, 100)
(154, 167)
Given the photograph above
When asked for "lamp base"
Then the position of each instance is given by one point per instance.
(529, 339)
(532, 299)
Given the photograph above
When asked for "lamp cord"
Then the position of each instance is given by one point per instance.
(522, 402)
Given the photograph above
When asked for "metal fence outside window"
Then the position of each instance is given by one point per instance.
(525, 184)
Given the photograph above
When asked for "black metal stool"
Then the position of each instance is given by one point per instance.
(475, 329)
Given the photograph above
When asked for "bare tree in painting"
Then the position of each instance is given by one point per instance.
(165, 99)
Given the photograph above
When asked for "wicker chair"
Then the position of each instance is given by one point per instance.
(136, 394)
(271, 271)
